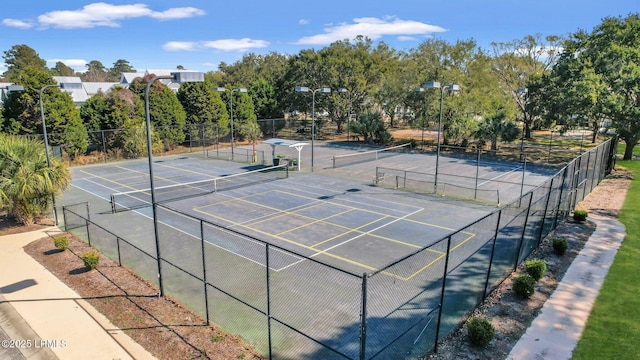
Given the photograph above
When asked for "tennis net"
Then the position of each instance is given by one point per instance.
(136, 199)
(372, 155)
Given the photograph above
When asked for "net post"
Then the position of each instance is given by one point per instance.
(113, 204)
(334, 161)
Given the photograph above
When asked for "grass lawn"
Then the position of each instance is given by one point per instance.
(613, 328)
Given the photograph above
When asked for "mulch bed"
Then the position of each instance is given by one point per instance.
(164, 327)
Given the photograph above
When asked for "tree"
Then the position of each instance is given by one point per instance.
(96, 72)
(205, 111)
(110, 113)
(26, 180)
(252, 132)
(22, 111)
(371, 127)
(165, 111)
(516, 62)
(266, 106)
(496, 127)
(61, 69)
(604, 71)
(119, 67)
(20, 57)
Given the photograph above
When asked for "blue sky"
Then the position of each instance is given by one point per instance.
(199, 34)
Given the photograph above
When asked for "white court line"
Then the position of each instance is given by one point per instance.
(501, 175)
(197, 238)
(355, 237)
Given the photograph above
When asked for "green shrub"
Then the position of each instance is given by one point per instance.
(536, 268)
(480, 331)
(61, 242)
(580, 215)
(90, 259)
(524, 285)
(560, 246)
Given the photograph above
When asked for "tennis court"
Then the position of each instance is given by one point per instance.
(295, 249)
(352, 226)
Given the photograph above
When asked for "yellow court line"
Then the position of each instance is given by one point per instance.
(323, 220)
(334, 204)
(109, 180)
(298, 244)
(315, 221)
(471, 236)
(185, 170)
(317, 202)
(352, 230)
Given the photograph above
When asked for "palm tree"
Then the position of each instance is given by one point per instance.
(496, 127)
(26, 182)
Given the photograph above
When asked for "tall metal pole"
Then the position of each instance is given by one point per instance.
(231, 102)
(46, 149)
(151, 183)
(435, 182)
(313, 123)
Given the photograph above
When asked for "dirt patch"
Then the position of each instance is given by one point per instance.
(8, 225)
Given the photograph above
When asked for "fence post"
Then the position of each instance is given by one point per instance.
(88, 213)
(363, 318)
(204, 272)
(524, 171)
(104, 146)
(475, 191)
(524, 230)
(118, 248)
(64, 218)
(564, 179)
(444, 283)
(596, 171)
(268, 300)
(86, 222)
(544, 213)
(493, 250)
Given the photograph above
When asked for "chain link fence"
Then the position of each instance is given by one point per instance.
(292, 305)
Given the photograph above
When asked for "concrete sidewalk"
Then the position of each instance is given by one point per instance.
(554, 334)
(42, 318)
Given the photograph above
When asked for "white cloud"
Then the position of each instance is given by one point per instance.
(406, 38)
(177, 13)
(372, 28)
(75, 64)
(243, 44)
(17, 23)
(303, 21)
(103, 14)
(239, 45)
(180, 46)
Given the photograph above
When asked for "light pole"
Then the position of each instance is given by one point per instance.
(178, 77)
(46, 148)
(222, 89)
(451, 87)
(525, 93)
(323, 90)
(343, 90)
